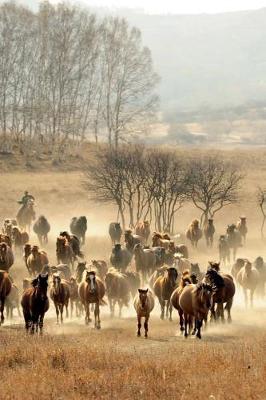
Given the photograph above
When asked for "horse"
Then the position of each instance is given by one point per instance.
(42, 227)
(74, 297)
(115, 232)
(74, 243)
(91, 291)
(26, 215)
(120, 258)
(6, 239)
(160, 240)
(81, 267)
(163, 288)
(19, 238)
(12, 301)
(36, 261)
(143, 229)
(242, 227)
(194, 233)
(261, 268)
(5, 289)
(248, 278)
(133, 279)
(60, 295)
(101, 267)
(223, 293)
(209, 231)
(64, 252)
(78, 227)
(143, 304)
(145, 261)
(224, 250)
(117, 289)
(195, 302)
(233, 239)
(6, 257)
(35, 303)
(238, 264)
(131, 240)
(174, 299)
(181, 263)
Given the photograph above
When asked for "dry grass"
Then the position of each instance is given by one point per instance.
(113, 364)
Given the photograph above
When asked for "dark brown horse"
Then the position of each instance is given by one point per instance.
(209, 231)
(64, 252)
(163, 289)
(35, 303)
(36, 260)
(233, 239)
(19, 237)
(60, 295)
(194, 233)
(5, 289)
(92, 291)
(42, 227)
(174, 300)
(12, 302)
(117, 289)
(26, 215)
(223, 293)
(6, 257)
(144, 304)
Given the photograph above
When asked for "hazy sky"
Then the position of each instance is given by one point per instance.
(181, 6)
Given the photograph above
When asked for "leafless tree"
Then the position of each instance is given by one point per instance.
(261, 200)
(214, 184)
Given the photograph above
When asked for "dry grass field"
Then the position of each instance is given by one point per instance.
(74, 361)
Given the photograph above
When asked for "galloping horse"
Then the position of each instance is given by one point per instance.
(26, 215)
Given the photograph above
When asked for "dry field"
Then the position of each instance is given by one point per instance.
(75, 361)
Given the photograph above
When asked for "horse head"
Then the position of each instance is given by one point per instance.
(172, 276)
(91, 280)
(143, 295)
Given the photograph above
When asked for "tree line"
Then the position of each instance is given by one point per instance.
(66, 74)
(154, 183)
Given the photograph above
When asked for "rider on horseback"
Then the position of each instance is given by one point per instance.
(25, 199)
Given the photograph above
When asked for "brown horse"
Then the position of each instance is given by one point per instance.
(35, 303)
(233, 238)
(194, 233)
(163, 289)
(242, 227)
(145, 261)
(5, 289)
(12, 301)
(42, 227)
(174, 299)
(238, 264)
(143, 229)
(74, 297)
(131, 240)
(144, 304)
(6, 257)
(160, 240)
(60, 295)
(224, 291)
(101, 267)
(224, 249)
(248, 278)
(26, 215)
(195, 302)
(92, 291)
(6, 239)
(19, 237)
(117, 289)
(64, 252)
(26, 253)
(36, 261)
(209, 231)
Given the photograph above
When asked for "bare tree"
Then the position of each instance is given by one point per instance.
(214, 184)
(261, 199)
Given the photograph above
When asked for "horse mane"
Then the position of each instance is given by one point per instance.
(185, 279)
(216, 279)
(166, 236)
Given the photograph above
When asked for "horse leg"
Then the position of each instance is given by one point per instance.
(170, 311)
(228, 309)
(2, 306)
(199, 325)
(186, 325)
(57, 313)
(61, 308)
(220, 309)
(139, 326)
(41, 323)
(251, 297)
(97, 322)
(181, 320)
(146, 325)
(162, 303)
(66, 305)
(246, 297)
(71, 308)
(195, 328)
(167, 308)
(120, 303)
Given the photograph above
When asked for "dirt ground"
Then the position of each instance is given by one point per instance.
(74, 361)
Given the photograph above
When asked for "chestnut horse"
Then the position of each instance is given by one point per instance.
(91, 291)
(163, 288)
(60, 295)
(5, 289)
(64, 252)
(144, 304)
(35, 303)
(6, 257)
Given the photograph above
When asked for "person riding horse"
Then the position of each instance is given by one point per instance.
(26, 198)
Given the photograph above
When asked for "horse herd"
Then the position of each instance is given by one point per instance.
(137, 270)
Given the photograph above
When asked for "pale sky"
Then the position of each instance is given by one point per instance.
(180, 6)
